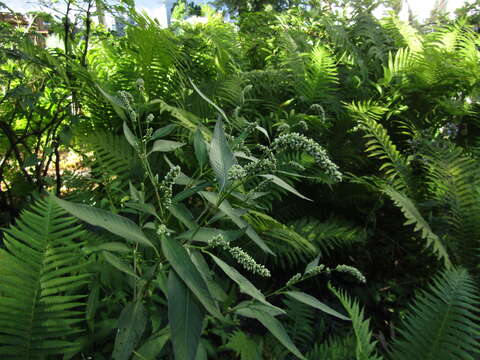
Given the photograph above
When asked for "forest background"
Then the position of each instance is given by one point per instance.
(300, 181)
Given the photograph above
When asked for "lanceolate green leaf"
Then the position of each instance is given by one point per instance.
(132, 140)
(200, 147)
(204, 234)
(116, 104)
(313, 302)
(152, 347)
(245, 285)
(275, 328)
(186, 270)
(221, 156)
(209, 101)
(213, 286)
(112, 246)
(181, 212)
(232, 214)
(116, 224)
(163, 131)
(277, 181)
(185, 317)
(166, 145)
(131, 325)
(119, 264)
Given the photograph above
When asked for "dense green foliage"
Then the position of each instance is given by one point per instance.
(301, 183)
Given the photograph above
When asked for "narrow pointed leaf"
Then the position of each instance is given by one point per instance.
(132, 140)
(204, 97)
(185, 317)
(236, 218)
(277, 181)
(119, 264)
(131, 325)
(313, 302)
(186, 270)
(221, 156)
(166, 145)
(200, 147)
(275, 328)
(245, 285)
(116, 224)
(163, 131)
(152, 347)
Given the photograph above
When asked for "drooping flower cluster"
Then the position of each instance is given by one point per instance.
(248, 262)
(299, 142)
(240, 256)
(350, 270)
(166, 186)
(261, 166)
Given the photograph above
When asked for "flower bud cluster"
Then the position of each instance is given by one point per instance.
(317, 270)
(127, 99)
(248, 262)
(294, 279)
(299, 142)
(284, 128)
(219, 241)
(266, 164)
(148, 134)
(261, 166)
(162, 229)
(140, 85)
(236, 172)
(449, 130)
(302, 125)
(240, 256)
(166, 187)
(350, 270)
(250, 127)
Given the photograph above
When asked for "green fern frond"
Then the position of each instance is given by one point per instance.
(320, 76)
(41, 268)
(379, 145)
(400, 65)
(453, 180)
(443, 322)
(290, 247)
(403, 33)
(114, 158)
(365, 346)
(335, 348)
(414, 217)
(328, 236)
(243, 346)
(301, 322)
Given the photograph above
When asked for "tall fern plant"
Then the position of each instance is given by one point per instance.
(42, 272)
